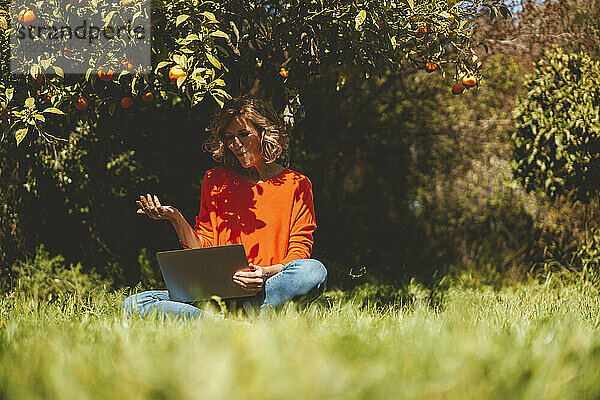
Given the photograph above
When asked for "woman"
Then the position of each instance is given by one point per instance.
(250, 200)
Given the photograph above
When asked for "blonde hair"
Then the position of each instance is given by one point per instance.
(273, 138)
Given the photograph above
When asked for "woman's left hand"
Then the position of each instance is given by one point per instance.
(250, 279)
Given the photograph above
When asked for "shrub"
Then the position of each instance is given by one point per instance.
(49, 278)
(557, 141)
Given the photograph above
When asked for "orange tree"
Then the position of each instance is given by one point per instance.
(556, 150)
(556, 145)
(206, 49)
(54, 125)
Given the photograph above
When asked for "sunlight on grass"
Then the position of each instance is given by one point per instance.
(535, 341)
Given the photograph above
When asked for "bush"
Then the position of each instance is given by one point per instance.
(49, 278)
(557, 141)
(582, 259)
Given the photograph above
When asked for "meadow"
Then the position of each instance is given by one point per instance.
(528, 341)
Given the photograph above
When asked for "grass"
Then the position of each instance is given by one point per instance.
(536, 341)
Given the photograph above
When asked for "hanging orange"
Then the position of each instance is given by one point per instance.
(430, 67)
(126, 102)
(469, 81)
(148, 97)
(458, 88)
(26, 16)
(105, 75)
(81, 103)
(175, 73)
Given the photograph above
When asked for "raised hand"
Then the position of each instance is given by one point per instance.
(150, 205)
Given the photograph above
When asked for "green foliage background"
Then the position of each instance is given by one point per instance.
(557, 143)
(409, 180)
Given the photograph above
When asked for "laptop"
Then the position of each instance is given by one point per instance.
(198, 274)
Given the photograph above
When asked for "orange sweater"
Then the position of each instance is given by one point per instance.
(274, 220)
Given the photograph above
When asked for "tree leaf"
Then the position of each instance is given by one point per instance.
(40, 117)
(210, 16)
(223, 50)
(221, 92)
(360, 18)
(181, 19)
(197, 98)
(133, 82)
(505, 12)
(219, 101)
(162, 64)
(59, 71)
(219, 34)
(393, 41)
(108, 18)
(53, 110)
(213, 60)
(184, 61)
(20, 135)
(199, 79)
(235, 32)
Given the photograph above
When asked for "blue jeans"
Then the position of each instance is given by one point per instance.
(297, 278)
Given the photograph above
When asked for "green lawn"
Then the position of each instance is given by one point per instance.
(537, 341)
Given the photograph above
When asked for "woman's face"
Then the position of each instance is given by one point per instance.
(244, 142)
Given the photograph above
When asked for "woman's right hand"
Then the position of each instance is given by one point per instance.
(150, 205)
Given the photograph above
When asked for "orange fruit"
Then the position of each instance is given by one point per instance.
(26, 16)
(458, 88)
(469, 81)
(175, 73)
(126, 102)
(430, 66)
(284, 72)
(127, 65)
(422, 31)
(148, 97)
(105, 75)
(81, 103)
